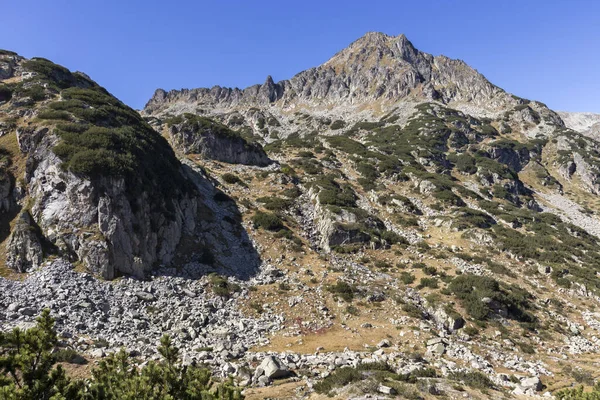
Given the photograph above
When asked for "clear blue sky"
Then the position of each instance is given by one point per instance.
(545, 50)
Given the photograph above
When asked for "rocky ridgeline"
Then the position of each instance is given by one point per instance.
(375, 67)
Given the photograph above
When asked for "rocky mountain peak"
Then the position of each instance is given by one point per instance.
(377, 42)
(374, 73)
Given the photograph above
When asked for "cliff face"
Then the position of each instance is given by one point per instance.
(100, 186)
(197, 135)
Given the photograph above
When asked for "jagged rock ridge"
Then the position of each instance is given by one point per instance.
(374, 68)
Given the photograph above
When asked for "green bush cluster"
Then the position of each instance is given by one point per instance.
(231, 178)
(370, 376)
(470, 218)
(274, 203)
(343, 289)
(221, 286)
(295, 140)
(471, 289)
(311, 166)
(548, 240)
(474, 379)
(337, 124)
(5, 93)
(578, 394)
(332, 193)
(268, 221)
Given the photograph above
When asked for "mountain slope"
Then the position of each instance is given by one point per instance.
(413, 174)
(92, 181)
(402, 214)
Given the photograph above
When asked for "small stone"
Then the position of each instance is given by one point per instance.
(386, 390)
(438, 349)
(145, 296)
(28, 311)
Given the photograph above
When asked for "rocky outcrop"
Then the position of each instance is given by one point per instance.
(96, 221)
(578, 155)
(589, 173)
(23, 249)
(344, 226)
(5, 192)
(579, 121)
(214, 141)
(514, 157)
(121, 216)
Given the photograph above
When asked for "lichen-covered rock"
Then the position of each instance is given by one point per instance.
(23, 249)
(214, 141)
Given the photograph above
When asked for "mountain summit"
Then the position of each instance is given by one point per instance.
(376, 71)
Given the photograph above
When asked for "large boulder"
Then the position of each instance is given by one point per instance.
(273, 368)
(23, 249)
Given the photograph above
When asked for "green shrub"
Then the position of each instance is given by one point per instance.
(407, 278)
(337, 124)
(464, 163)
(352, 310)
(292, 193)
(221, 286)
(231, 178)
(339, 378)
(471, 330)
(331, 193)
(275, 203)
(348, 145)
(268, 221)
(578, 394)
(69, 356)
(428, 270)
(474, 379)
(470, 289)
(5, 93)
(28, 371)
(343, 289)
(432, 283)
(448, 197)
(54, 114)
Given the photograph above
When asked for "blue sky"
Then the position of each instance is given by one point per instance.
(543, 50)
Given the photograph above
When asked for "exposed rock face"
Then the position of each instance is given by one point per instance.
(131, 240)
(5, 192)
(515, 159)
(342, 228)
(449, 321)
(96, 221)
(23, 248)
(580, 121)
(216, 142)
(272, 368)
(578, 155)
(376, 67)
(114, 222)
